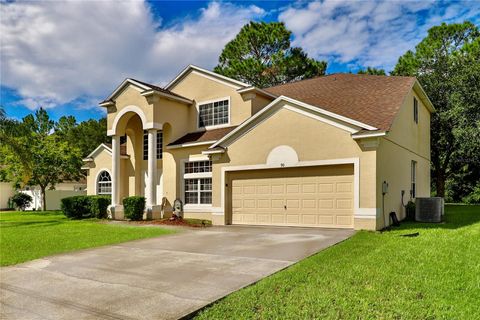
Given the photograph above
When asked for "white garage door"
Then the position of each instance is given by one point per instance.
(310, 196)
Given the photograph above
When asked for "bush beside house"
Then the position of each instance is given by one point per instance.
(134, 207)
(21, 200)
(81, 207)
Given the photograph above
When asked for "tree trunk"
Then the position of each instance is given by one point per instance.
(44, 198)
(440, 184)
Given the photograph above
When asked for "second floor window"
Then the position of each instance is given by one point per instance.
(213, 113)
(159, 144)
(415, 110)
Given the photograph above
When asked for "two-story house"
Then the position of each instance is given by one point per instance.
(338, 151)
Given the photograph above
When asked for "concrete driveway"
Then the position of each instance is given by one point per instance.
(161, 278)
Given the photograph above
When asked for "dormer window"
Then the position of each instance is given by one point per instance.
(214, 113)
(415, 110)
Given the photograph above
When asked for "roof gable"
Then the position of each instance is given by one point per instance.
(207, 74)
(305, 109)
(373, 100)
(144, 89)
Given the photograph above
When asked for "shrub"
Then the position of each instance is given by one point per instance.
(410, 210)
(133, 207)
(21, 200)
(77, 207)
(474, 197)
(99, 205)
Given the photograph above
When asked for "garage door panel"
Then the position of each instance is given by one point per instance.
(325, 187)
(344, 187)
(322, 197)
(326, 204)
(344, 220)
(278, 189)
(326, 220)
(344, 204)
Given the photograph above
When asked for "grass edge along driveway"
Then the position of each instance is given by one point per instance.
(375, 275)
(27, 236)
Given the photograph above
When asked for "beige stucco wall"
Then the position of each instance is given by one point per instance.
(405, 142)
(6, 191)
(130, 96)
(311, 139)
(201, 89)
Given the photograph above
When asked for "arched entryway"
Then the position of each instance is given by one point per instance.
(139, 174)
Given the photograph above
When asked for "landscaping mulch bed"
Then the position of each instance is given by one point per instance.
(195, 223)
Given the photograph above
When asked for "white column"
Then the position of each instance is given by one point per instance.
(152, 169)
(115, 170)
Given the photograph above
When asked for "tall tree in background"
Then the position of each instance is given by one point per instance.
(261, 55)
(86, 135)
(372, 71)
(50, 159)
(447, 64)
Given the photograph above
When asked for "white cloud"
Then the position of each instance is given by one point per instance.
(368, 33)
(53, 53)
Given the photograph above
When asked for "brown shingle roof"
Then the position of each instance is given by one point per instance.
(160, 89)
(202, 136)
(373, 100)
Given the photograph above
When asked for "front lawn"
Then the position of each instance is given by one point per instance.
(375, 275)
(30, 235)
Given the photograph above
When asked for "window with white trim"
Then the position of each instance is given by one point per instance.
(159, 144)
(413, 187)
(415, 110)
(213, 113)
(104, 183)
(145, 145)
(198, 182)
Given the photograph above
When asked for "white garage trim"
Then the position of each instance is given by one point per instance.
(356, 177)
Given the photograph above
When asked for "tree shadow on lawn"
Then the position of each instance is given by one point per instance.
(456, 217)
(34, 223)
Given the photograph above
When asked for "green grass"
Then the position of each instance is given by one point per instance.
(375, 275)
(30, 235)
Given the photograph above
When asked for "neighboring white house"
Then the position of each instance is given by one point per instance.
(53, 197)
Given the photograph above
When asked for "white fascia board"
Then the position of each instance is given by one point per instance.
(166, 95)
(369, 135)
(255, 89)
(293, 102)
(213, 151)
(107, 104)
(328, 113)
(423, 95)
(94, 152)
(204, 72)
(123, 84)
(190, 144)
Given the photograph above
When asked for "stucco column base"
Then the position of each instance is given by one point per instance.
(154, 212)
(117, 212)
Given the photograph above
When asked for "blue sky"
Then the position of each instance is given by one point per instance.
(68, 56)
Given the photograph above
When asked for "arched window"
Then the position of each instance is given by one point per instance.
(104, 183)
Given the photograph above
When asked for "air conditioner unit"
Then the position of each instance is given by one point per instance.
(429, 209)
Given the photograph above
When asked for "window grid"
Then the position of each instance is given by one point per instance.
(198, 191)
(415, 110)
(159, 144)
(198, 166)
(104, 183)
(145, 145)
(414, 178)
(213, 113)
